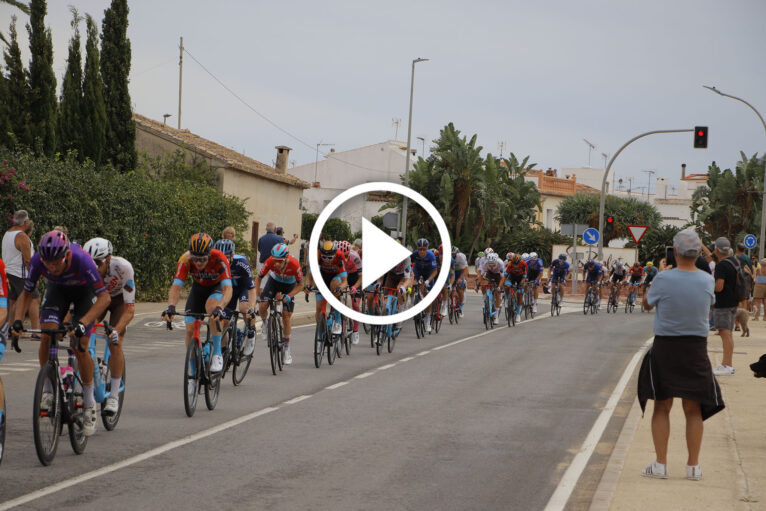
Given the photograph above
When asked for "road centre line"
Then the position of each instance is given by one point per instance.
(336, 385)
(297, 399)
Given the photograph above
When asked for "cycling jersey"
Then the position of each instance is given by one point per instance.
(353, 262)
(618, 273)
(335, 266)
(423, 267)
(290, 274)
(81, 272)
(402, 268)
(241, 274)
(461, 263)
(495, 266)
(516, 270)
(534, 268)
(119, 280)
(215, 271)
(636, 272)
(559, 268)
(593, 273)
(651, 272)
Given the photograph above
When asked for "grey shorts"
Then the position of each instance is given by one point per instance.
(724, 318)
(16, 286)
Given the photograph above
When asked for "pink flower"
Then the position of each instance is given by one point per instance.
(22, 185)
(13, 172)
(10, 196)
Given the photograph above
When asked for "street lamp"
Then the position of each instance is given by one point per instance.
(165, 118)
(649, 174)
(316, 162)
(423, 142)
(590, 148)
(407, 158)
(763, 201)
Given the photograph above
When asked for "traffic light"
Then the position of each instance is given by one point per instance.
(700, 137)
(609, 227)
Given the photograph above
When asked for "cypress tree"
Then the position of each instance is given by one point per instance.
(94, 111)
(120, 146)
(71, 107)
(42, 80)
(6, 138)
(17, 91)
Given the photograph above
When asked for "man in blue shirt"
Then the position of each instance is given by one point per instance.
(592, 273)
(559, 271)
(267, 242)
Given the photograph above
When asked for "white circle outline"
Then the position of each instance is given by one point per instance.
(352, 192)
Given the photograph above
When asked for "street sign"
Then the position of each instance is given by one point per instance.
(573, 229)
(750, 241)
(637, 232)
(390, 221)
(590, 236)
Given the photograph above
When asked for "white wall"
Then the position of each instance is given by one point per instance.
(590, 177)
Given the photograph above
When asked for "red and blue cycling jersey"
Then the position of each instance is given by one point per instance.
(516, 270)
(215, 272)
(334, 267)
(81, 272)
(290, 274)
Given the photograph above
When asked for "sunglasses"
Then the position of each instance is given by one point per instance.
(99, 262)
(199, 259)
(53, 264)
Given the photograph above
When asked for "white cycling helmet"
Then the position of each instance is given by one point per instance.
(488, 251)
(525, 256)
(533, 255)
(98, 248)
(493, 257)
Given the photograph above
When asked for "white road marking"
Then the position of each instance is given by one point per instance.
(336, 385)
(568, 481)
(363, 375)
(387, 366)
(297, 399)
(407, 359)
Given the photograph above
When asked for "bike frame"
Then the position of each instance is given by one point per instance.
(100, 392)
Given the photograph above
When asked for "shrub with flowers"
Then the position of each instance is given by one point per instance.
(12, 190)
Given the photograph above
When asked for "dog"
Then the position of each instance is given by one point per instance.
(741, 320)
(759, 368)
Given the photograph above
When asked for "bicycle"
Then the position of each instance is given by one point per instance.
(275, 339)
(529, 300)
(630, 301)
(197, 367)
(591, 300)
(488, 309)
(453, 311)
(375, 311)
(419, 318)
(66, 404)
(436, 316)
(556, 299)
(387, 334)
(323, 336)
(102, 376)
(614, 299)
(509, 302)
(233, 347)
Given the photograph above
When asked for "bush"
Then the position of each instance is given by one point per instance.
(334, 228)
(528, 239)
(149, 221)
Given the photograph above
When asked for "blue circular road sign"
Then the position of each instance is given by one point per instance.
(750, 241)
(590, 236)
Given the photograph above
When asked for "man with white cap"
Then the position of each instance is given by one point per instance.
(725, 308)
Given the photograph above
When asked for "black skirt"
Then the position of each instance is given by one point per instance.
(679, 367)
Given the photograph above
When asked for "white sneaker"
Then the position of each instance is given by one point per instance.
(288, 356)
(191, 387)
(655, 470)
(337, 328)
(46, 401)
(461, 313)
(112, 405)
(428, 327)
(443, 311)
(496, 321)
(534, 308)
(518, 318)
(89, 420)
(262, 333)
(249, 346)
(723, 370)
(355, 338)
(216, 364)
(693, 473)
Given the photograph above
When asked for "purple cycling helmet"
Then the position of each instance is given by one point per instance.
(53, 246)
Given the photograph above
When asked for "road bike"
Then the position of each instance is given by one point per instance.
(388, 333)
(591, 300)
(102, 376)
(233, 348)
(436, 316)
(556, 299)
(419, 319)
(614, 299)
(453, 310)
(630, 301)
(324, 340)
(197, 374)
(509, 303)
(488, 309)
(529, 300)
(373, 310)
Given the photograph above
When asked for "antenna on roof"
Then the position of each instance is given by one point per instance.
(590, 148)
(395, 123)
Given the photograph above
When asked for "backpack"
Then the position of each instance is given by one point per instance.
(741, 289)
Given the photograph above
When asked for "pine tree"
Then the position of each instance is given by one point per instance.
(120, 146)
(94, 111)
(6, 137)
(17, 92)
(42, 80)
(70, 134)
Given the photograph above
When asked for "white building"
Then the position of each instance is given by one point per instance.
(591, 177)
(339, 171)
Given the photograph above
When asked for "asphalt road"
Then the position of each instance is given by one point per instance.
(454, 421)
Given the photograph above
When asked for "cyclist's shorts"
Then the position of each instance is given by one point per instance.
(199, 295)
(514, 280)
(328, 278)
(353, 278)
(494, 277)
(273, 287)
(460, 276)
(533, 276)
(559, 279)
(648, 280)
(240, 295)
(116, 309)
(635, 280)
(616, 279)
(57, 299)
(591, 279)
(392, 279)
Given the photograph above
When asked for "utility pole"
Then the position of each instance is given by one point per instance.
(649, 174)
(180, 79)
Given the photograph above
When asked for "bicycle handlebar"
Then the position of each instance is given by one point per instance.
(195, 315)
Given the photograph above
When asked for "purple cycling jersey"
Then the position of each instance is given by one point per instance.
(82, 271)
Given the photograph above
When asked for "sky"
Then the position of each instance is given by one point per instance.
(538, 76)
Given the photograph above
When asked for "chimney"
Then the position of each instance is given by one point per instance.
(683, 171)
(282, 154)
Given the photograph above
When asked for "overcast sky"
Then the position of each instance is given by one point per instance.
(540, 76)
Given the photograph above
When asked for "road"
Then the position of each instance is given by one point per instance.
(466, 419)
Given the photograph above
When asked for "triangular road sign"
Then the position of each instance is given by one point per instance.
(381, 253)
(637, 232)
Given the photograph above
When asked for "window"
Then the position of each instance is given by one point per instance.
(549, 218)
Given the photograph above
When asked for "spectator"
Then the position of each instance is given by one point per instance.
(725, 274)
(17, 251)
(281, 232)
(358, 246)
(228, 233)
(265, 244)
(759, 292)
(34, 303)
(677, 365)
(747, 267)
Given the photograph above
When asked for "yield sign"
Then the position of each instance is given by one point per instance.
(637, 232)
(381, 252)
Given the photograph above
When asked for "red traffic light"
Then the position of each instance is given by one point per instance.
(700, 133)
(700, 137)
(609, 219)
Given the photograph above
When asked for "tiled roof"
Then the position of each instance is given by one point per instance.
(210, 149)
(695, 177)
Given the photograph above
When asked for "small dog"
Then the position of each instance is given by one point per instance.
(759, 368)
(741, 320)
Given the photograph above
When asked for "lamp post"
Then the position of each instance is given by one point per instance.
(763, 200)
(403, 228)
(649, 174)
(590, 148)
(316, 162)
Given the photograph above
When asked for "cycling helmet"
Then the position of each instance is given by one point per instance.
(488, 251)
(200, 244)
(533, 255)
(455, 250)
(225, 246)
(516, 259)
(53, 246)
(619, 264)
(493, 258)
(525, 256)
(562, 257)
(480, 254)
(590, 263)
(280, 250)
(98, 248)
(436, 253)
(422, 242)
(650, 264)
(509, 256)
(328, 249)
(344, 247)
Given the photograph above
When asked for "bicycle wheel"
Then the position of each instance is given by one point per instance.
(381, 338)
(192, 370)
(363, 308)
(451, 309)
(485, 313)
(586, 303)
(341, 337)
(347, 338)
(228, 347)
(332, 348)
(213, 387)
(241, 365)
(455, 309)
(437, 322)
(319, 334)
(76, 412)
(110, 421)
(3, 421)
(273, 344)
(47, 423)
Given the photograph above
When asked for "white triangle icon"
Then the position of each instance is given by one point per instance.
(381, 253)
(637, 231)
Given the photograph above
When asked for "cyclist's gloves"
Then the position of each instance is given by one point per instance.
(220, 313)
(170, 311)
(17, 327)
(78, 329)
(288, 299)
(251, 312)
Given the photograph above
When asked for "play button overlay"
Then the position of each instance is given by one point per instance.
(381, 252)
(379, 260)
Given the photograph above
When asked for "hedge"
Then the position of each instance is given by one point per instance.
(149, 220)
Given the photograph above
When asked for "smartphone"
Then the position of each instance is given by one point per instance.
(670, 257)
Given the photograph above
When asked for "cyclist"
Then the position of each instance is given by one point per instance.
(558, 273)
(211, 290)
(515, 275)
(525, 257)
(444, 295)
(492, 272)
(592, 272)
(534, 271)
(286, 278)
(72, 277)
(618, 273)
(242, 289)
(3, 334)
(636, 276)
(461, 272)
(479, 261)
(424, 271)
(117, 273)
(332, 269)
(354, 269)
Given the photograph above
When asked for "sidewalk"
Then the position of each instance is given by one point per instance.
(733, 456)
